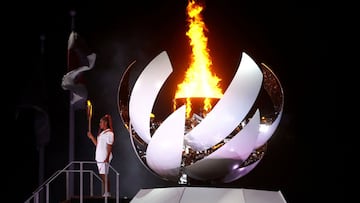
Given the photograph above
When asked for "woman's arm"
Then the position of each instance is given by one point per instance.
(92, 138)
(109, 149)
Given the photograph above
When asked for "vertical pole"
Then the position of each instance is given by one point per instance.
(41, 166)
(47, 193)
(71, 144)
(41, 147)
(71, 121)
(81, 182)
(67, 186)
(117, 187)
(91, 184)
(106, 181)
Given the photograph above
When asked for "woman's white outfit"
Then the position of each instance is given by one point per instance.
(103, 139)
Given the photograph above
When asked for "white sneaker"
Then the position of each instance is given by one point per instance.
(107, 194)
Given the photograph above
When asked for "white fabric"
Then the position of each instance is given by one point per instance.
(78, 89)
(103, 139)
(103, 167)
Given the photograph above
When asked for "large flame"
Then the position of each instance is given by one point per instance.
(198, 81)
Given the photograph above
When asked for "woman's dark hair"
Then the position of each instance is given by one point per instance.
(108, 120)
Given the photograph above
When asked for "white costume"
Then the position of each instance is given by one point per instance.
(103, 139)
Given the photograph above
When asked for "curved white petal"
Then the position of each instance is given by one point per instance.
(240, 172)
(164, 151)
(264, 136)
(230, 109)
(242, 144)
(229, 156)
(145, 92)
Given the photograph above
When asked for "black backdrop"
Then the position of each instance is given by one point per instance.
(291, 37)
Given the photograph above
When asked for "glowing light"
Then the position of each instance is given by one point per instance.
(89, 109)
(89, 114)
(199, 80)
(263, 128)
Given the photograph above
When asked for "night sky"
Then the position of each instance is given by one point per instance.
(289, 36)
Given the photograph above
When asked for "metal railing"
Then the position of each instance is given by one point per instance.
(35, 197)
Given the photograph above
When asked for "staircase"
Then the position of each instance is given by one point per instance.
(57, 189)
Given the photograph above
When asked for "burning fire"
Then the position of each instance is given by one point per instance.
(89, 109)
(199, 82)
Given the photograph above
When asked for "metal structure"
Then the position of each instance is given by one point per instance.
(68, 171)
(221, 145)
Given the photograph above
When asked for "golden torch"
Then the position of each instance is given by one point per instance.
(89, 113)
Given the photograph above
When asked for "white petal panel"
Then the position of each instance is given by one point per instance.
(240, 172)
(229, 156)
(164, 152)
(144, 94)
(242, 144)
(230, 109)
(264, 136)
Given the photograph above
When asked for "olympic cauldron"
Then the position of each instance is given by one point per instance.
(222, 145)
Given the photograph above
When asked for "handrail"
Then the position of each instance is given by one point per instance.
(46, 184)
(51, 177)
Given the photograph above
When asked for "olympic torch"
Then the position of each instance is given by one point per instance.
(89, 113)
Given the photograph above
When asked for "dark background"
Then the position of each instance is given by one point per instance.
(292, 37)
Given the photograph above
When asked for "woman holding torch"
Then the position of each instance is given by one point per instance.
(103, 152)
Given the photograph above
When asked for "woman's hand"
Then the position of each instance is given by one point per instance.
(91, 137)
(89, 134)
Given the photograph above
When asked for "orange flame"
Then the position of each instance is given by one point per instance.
(89, 114)
(89, 109)
(198, 81)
